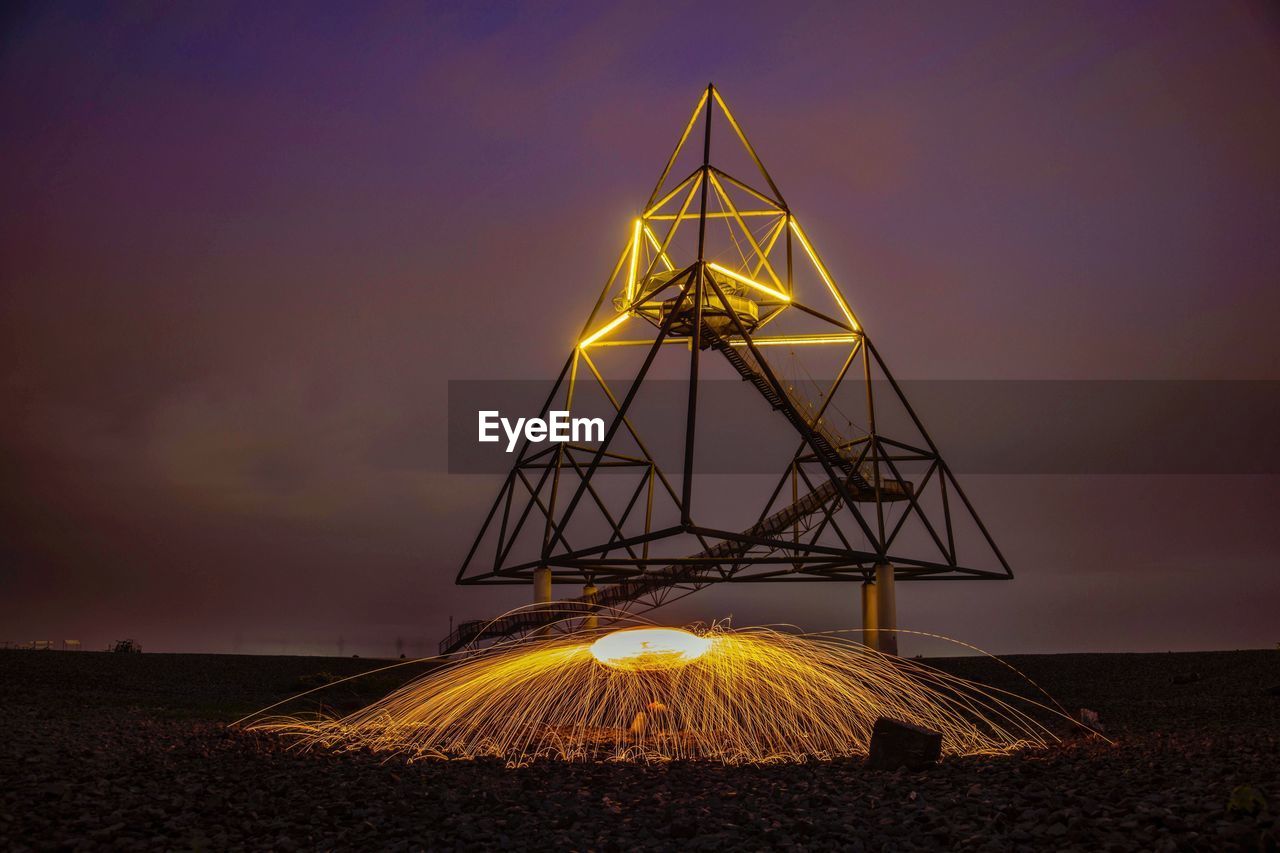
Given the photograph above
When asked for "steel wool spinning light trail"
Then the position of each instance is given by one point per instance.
(653, 694)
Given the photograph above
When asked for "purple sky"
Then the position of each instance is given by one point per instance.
(243, 248)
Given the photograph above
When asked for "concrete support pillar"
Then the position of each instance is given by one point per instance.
(542, 594)
(886, 610)
(591, 622)
(542, 585)
(869, 621)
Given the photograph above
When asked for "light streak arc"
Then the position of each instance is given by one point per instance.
(746, 697)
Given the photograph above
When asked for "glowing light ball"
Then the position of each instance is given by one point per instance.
(649, 648)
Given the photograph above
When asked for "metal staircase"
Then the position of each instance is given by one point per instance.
(656, 582)
(831, 448)
(840, 455)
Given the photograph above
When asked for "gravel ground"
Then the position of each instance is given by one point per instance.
(131, 751)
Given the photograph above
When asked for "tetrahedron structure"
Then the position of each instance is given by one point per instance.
(717, 279)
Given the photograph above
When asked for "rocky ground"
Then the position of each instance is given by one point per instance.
(132, 751)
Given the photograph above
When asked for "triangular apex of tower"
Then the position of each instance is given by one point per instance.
(717, 279)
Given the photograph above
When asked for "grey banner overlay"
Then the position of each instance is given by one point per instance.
(979, 426)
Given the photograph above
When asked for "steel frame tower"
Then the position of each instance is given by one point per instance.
(842, 510)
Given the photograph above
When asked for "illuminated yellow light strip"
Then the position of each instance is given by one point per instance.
(745, 144)
(635, 258)
(768, 246)
(648, 342)
(606, 329)
(822, 271)
(688, 128)
(671, 233)
(770, 317)
(608, 285)
(653, 241)
(776, 294)
(799, 339)
(724, 197)
(713, 214)
(748, 188)
(650, 213)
